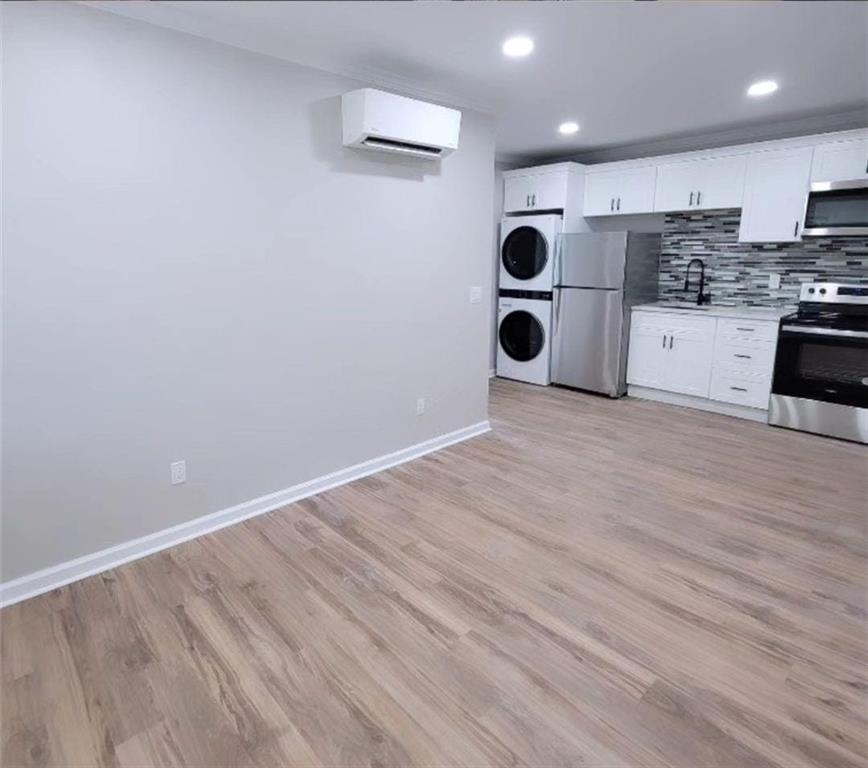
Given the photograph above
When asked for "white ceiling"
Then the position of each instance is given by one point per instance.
(628, 72)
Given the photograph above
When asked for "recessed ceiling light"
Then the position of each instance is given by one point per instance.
(568, 127)
(762, 88)
(518, 46)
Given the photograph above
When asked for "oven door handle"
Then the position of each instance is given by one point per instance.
(825, 332)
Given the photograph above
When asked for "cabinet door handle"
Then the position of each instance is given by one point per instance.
(796, 229)
(664, 341)
(612, 204)
(750, 330)
(527, 201)
(671, 339)
(698, 197)
(618, 206)
(690, 204)
(739, 389)
(743, 357)
(533, 199)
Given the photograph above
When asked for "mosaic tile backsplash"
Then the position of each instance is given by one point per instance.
(738, 273)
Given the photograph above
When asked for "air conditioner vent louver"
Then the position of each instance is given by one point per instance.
(391, 145)
(381, 121)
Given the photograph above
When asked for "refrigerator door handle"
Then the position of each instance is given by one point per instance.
(557, 265)
(557, 297)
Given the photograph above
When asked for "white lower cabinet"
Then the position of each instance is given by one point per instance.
(671, 352)
(646, 363)
(710, 359)
(740, 388)
(744, 356)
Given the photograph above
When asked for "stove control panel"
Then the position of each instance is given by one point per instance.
(834, 293)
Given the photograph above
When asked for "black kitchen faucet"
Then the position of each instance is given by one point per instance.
(701, 297)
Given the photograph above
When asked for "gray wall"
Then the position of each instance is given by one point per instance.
(738, 273)
(195, 268)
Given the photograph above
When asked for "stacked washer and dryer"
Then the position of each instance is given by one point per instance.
(566, 290)
(524, 312)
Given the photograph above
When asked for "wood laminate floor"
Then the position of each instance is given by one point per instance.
(594, 583)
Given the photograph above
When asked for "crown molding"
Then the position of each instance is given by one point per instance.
(717, 139)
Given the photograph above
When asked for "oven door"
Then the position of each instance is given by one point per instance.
(823, 364)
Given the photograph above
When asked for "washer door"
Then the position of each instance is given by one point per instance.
(524, 253)
(522, 335)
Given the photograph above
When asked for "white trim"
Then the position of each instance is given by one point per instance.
(492, 373)
(47, 579)
(713, 149)
(542, 170)
(700, 403)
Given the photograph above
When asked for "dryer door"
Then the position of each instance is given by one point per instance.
(522, 335)
(524, 253)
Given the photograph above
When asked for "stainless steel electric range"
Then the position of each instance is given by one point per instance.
(820, 381)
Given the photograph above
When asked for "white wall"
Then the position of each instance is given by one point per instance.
(196, 268)
(499, 168)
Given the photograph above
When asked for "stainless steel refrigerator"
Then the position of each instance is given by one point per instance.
(598, 277)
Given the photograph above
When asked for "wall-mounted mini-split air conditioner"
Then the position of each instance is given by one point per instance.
(383, 121)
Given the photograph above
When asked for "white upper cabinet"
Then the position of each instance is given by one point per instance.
(840, 161)
(549, 192)
(611, 193)
(535, 192)
(775, 193)
(700, 184)
(516, 194)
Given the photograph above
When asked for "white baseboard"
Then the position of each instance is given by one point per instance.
(47, 579)
(700, 403)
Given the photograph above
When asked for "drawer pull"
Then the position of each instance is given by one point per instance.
(743, 357)
(739, 389)
(750, 330)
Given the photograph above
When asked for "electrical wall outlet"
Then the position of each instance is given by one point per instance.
(475, 294)
(420, 406)
(774, 280)
(179, 472)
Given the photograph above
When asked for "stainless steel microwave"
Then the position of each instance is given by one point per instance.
(837, 208)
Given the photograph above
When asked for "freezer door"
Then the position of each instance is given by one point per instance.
(591, 260)
(588, 340)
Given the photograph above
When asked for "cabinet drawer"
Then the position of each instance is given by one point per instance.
(740, 388)
(749, 355)
(650, 320)
(732, 328)
(688, 327)
(675, 324)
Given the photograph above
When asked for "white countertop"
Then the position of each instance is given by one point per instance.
(745, 313)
